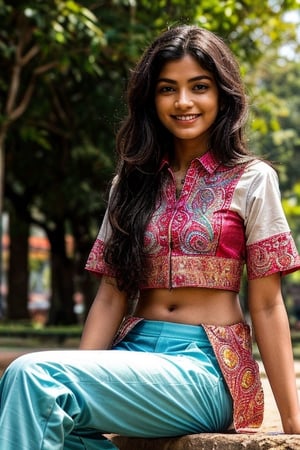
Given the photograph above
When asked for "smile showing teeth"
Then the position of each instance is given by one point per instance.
(187, 117)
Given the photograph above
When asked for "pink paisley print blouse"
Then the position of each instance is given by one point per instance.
(225, 217)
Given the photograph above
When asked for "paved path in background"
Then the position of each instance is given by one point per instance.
(271, 421)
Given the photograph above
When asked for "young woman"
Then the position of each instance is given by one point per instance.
(165, 350)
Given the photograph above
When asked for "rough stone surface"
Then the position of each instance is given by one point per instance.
(261, 441)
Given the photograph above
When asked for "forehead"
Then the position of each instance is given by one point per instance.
(185, 67)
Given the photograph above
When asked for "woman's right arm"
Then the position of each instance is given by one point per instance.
(105, 316)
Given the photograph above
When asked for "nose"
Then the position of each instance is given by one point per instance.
(183, 100)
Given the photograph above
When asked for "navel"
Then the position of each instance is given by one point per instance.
(172, 308)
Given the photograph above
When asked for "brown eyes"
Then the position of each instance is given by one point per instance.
(171, 89)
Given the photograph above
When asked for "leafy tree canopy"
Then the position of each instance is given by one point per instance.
(63, 71)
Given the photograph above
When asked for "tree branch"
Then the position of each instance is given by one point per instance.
(58, 107)
(13, 88)
(19, 110)
(54, 129)
(20, 61)
(42, 69)
(13, 111)
(29, 55)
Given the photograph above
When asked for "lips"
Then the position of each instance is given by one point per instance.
(187, 117)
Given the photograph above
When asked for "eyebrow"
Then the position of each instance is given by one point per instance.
(197, 78)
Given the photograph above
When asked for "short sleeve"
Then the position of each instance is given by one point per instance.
(96, 262)
(270, 247)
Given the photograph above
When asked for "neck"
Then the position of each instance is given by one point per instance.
(181, 162)
(185, 152)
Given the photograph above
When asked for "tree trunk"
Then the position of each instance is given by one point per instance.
(62, 280)
(86, 283)
(18, 273)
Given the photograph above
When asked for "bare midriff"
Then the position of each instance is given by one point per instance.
(192, 306)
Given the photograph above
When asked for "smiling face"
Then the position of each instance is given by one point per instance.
(186, 100)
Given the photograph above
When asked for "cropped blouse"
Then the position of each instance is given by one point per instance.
(225, 217)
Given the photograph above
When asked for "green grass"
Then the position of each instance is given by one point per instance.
(14, 328)
(16, 335)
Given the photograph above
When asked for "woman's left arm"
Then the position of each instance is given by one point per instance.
(272, 334)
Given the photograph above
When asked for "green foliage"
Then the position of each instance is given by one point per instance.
(275, 130)
(63, 72)
(48, 50)
(276, 108)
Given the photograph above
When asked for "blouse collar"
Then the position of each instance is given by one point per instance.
(207, 161)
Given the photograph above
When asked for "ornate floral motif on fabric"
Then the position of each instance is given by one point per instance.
(271, 255)
(233, 348)
(95, 262)
(190, 238)
(223, 217)
(194, 271)
(192, 225)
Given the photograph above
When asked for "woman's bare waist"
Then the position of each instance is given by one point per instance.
(190, 305)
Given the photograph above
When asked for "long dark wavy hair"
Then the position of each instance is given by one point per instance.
(142, 141)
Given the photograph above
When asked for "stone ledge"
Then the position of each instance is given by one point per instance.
(257, 441)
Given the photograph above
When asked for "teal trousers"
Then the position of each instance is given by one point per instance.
(162, 379)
